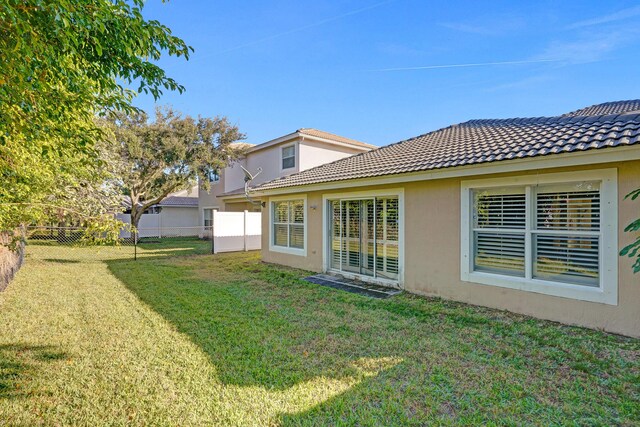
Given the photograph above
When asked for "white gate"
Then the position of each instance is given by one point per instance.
(237, 231)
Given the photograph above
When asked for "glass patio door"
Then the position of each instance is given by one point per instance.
(352, 238)
(364, 236)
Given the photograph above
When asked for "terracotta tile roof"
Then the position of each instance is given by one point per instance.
(476, 142)
(326, 135)
(616, 107)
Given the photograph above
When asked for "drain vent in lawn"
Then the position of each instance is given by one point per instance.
(354, 286)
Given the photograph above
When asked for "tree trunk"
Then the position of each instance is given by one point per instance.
(136, 214)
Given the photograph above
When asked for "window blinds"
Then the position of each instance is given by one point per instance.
(566, 239)
(499, 231)
(288, 224)
(562, 229)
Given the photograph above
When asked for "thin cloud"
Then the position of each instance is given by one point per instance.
(489, 25)
(467, 28)
(398, 49)
(308, 26)
(613, 17)
(476, 64)
(592, 47)
(522, 83)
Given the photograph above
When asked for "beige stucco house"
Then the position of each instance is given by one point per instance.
(291, 153)
(525, 215)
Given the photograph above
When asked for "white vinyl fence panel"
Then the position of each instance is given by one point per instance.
(170, 222)
(237, 231)
(232, 231)
(254, 231)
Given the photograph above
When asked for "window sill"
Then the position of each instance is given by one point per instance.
(287, 250)
(563, 290)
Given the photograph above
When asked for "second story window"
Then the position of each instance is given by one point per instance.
(214, 176)
(289, 157)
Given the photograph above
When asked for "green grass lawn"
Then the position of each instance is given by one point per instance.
(90, 337)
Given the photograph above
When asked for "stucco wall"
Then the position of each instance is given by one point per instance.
(314, 153)
(241, 206)
(208, 199)
(432, 255)
(178, 217)
(309, 153)
(232, 177)
(270, 160)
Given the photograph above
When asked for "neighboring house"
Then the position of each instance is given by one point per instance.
(295, 152)
(176, 215)
(525, 215)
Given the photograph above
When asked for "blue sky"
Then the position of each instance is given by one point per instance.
(379, 71)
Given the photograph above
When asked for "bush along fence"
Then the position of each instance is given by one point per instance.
(11, 255)
(61, 241)
(227, 232)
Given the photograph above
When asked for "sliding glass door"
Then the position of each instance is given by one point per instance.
(364, 236)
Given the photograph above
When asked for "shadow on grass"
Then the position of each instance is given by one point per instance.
(262, 326)
(62, 260)
(18, 363)
(257, 322)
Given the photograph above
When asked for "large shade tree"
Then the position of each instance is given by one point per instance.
(173, 152)
(62, 63)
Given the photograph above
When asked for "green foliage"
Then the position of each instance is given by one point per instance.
(154, 159)
(632, 250)
(62, 62)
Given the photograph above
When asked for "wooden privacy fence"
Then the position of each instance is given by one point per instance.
(236, 231)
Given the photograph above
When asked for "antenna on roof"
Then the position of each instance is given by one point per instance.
(248, 177)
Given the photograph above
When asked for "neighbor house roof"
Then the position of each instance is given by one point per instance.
(179, 201)
(481, 141)
(242, 144)
(326, 135)
(314, 134)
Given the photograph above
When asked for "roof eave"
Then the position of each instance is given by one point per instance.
(273, 142)
(232, 197)
(363, 148)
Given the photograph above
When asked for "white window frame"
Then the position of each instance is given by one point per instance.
(326, 236)
(286, 249)
(606, 292)
(204, 217)
(295, 157)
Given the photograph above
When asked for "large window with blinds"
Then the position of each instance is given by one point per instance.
(288, 225)
(543, 234)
